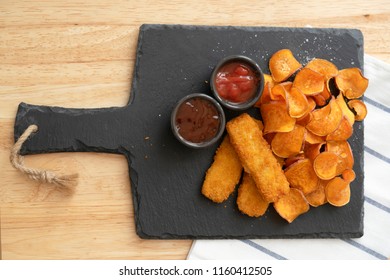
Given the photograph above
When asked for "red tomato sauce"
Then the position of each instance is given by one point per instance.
(236, 82)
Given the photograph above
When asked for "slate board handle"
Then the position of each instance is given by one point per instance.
(71, 130)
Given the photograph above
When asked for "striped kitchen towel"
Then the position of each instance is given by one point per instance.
(375, 244)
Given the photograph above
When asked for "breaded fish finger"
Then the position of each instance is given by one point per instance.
(256, 157)
(249, 199)
(223, 174)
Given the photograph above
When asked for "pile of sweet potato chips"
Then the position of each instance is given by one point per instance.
(308, 114)
(308, 127)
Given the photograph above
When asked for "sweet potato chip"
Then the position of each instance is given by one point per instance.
(291, 160)
(249, 199)
(317, 197)
(276, 118)
(348, 175)
(283, 64)
(309, 82)
(311, 138)
(304, 120)
(311, 151)
(324, 67)
(326, 119)
(338, 192)
(336, 165)
(312, 103)
(326, 92)
(345, 109)
(360, 108)
(344, 151)
(301, 176)
(290, 206)
(351, 82)
(323, 97)
(265, 96)
(325, 165)
(279, 91)
(319, 99)
(287, 144)
(297, 103)
(343, 132)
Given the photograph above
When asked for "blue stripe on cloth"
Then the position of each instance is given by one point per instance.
(376, 104)
(263, 249)
(377, 204)
(365, 249)
(376, 154)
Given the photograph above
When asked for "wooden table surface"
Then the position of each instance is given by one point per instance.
(81, 54)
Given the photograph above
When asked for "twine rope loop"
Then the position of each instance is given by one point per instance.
(43, 176)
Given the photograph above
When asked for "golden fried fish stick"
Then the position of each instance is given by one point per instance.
(249, 199)
(223, 174)
(256, 157)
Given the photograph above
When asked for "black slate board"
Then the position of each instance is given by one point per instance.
(166, 177)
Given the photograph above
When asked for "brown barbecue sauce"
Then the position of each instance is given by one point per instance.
(197, 120)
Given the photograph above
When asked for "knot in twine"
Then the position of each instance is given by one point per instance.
(66, 182)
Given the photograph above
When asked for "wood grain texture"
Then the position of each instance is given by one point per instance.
(81, 54)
